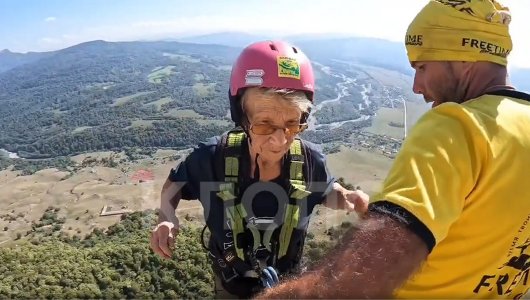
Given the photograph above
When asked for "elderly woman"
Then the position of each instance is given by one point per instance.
(258, 183)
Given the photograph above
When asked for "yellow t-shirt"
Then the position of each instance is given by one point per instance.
(464, 172)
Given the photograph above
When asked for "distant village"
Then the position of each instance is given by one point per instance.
(375, 143)
(386, 145)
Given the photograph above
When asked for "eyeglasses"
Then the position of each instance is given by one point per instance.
(266, 129)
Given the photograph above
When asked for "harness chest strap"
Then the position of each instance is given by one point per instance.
(236, 213)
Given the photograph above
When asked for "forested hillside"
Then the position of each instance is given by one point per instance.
(100, 96)
(89, 96)
(116, 262)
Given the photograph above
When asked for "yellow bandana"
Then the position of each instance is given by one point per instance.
(460, 30)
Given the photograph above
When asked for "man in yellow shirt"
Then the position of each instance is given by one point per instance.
(453, 217)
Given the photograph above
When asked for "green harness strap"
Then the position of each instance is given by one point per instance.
(299, 192)
(237, 214)
(228, 190)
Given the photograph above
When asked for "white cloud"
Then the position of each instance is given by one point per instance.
(275, 25)
(162, 29)
(50, 19)
(371, 21)
(50, 41)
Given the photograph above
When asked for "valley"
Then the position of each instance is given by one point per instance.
(123, 128)
(90, 134)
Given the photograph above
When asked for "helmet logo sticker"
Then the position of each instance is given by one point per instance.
(254, 77)
(288, 67)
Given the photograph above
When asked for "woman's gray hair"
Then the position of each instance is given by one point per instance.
(297, 98)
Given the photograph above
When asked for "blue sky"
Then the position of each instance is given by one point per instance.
(42, 25)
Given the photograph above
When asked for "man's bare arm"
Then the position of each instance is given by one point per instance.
(370, 262)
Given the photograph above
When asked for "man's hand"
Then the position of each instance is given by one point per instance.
(355, 201)
(341, 198)
(163, 238)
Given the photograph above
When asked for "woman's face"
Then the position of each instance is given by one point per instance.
(273, 123)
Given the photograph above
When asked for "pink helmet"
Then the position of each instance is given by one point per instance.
(272, 64)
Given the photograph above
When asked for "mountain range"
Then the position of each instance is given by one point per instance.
(109, 95)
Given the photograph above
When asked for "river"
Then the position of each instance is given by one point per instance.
(9, 154)
(342, 90)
